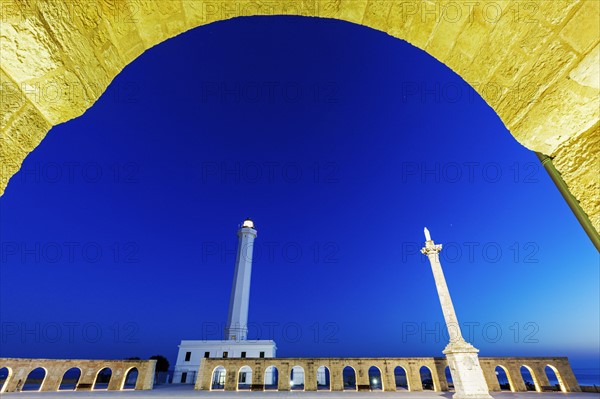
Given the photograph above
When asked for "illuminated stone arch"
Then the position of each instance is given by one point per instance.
(534, 63)
(323, 377)
(103, 379)
(375, 376)
(271, 378)
(509, 380)
(559, 379)
(297, 378)
(67, 376)
(4, 383)
(130, 378)
(244, 378)
(29, 381)
(529, 370)
(218, 378)
(349, 378)
(428, 380)
(401, 377)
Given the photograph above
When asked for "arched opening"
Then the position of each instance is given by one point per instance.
(35, 380)
(349, 379)
(244, 378)
(375, 381)
(70, 379)
(271, 378)
(5, 374)
(297, 379)
(503, 379)
(554, 378)
(130, 378)
(218, 378)
(529, 379)
(449, 380)
(102, 379)
(400, 378)
(426, 378)
(323, 379)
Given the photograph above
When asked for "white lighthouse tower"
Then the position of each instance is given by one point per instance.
(235, 344)
(237, 321)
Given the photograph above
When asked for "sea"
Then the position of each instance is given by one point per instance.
(588, 377)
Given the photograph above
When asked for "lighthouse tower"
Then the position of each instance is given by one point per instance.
(234, 344)
(237, 321)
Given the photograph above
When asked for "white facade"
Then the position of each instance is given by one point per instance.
(191, 353)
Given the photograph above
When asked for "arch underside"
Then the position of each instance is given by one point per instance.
(535, 63)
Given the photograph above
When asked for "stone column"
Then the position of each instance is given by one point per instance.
(565, 373)
(310, 375)
(489, 372)
(52, 380)
(201, 383)
(387, 377)
(283, 383)
(145, 380)
(362, 377)
(114, 384)
(514, 370)
(413, 376)
(87, 378)
(539, 376)
(258, 377)
(467, 376)
(231, 378)
(440, 370)
(336, 377)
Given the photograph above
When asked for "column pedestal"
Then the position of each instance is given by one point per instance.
(467, 375)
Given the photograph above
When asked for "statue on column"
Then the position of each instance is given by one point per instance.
(467, 375)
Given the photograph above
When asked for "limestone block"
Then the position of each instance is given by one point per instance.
(376, 14)
(583, 30)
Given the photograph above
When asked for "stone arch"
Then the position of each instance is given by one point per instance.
(102, 379)
(323, 379)
(401, 378)
(130, 378)
(297, 378)
(5, 376)
(349, 379)
(375, 379)
(35, 379)
(244, 381)
(529, 378)
(218, 378)
(427, 379)
(554, 375)
(544, 91)
(70, 379)
(271, 378)
(504, 379)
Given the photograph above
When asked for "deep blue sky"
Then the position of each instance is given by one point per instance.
(323, 133)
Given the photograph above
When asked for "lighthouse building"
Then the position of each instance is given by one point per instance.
(235, 344)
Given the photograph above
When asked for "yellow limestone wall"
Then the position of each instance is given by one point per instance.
(535, 62)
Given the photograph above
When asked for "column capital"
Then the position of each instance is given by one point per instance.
(431, 248)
